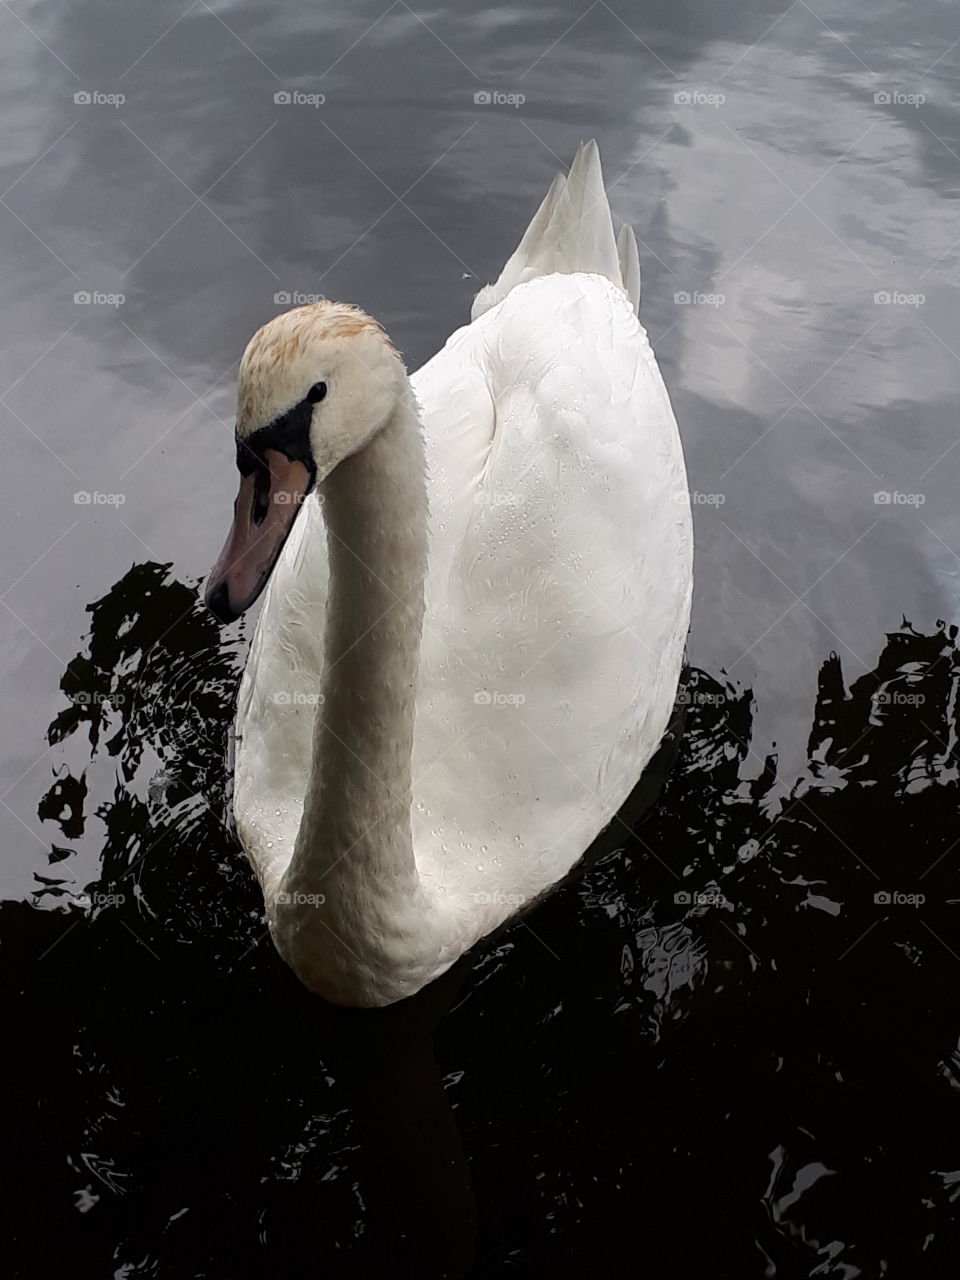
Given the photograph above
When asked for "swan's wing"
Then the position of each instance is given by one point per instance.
(629, 256)
(559, 586)
(571, 231)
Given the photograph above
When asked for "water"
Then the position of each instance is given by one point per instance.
(730, 1049)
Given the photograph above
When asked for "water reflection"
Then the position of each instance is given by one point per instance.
(734, 1038)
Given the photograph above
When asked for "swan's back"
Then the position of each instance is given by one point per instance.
(558, 588)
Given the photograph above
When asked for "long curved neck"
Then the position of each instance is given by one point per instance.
(355, 835)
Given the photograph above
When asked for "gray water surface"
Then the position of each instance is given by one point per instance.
(782, 198)
(791, 171)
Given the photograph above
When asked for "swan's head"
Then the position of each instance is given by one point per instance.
(315, 385)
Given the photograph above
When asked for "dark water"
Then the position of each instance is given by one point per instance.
(730, 1049)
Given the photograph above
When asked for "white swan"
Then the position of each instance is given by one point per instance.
(472, 633)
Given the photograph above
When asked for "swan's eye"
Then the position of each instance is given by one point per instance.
(316, 393)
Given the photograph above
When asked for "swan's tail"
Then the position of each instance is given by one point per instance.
(571, 231)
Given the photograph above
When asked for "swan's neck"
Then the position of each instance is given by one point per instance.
(354, 847)
(375, 511)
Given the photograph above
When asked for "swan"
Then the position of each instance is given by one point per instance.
(477, 594)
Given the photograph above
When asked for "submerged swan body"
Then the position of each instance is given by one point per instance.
(478, 588)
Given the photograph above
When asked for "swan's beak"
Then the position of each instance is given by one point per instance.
(263, 516)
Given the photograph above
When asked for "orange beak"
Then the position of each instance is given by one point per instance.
(263, 515)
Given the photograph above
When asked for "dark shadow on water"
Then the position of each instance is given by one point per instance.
(728, 1049)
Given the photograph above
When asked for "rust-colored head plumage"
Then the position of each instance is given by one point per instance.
(290, 351)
